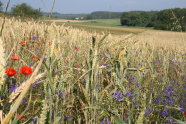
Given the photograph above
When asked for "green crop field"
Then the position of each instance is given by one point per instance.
(101, 22)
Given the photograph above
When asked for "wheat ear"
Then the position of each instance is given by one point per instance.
(21, 88)
(43, 113)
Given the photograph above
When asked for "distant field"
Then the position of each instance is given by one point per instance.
(101, 25)
(101, 22)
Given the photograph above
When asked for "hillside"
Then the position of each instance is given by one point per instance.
(93, 15)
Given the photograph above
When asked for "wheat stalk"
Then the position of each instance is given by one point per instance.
(2, 62)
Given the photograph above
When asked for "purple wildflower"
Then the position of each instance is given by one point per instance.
(129, 94)
(168, 91)
(34, 37)
(30, 64)
(118, 96)
(132, 80)
(99, 86)
(107, 65)
(57, 92)
(169, 121)
(44, 59)
(148, 111)
(104, 121)
(108, 122)
(105, 57)
(170, 100)
(165, 113)
(13, 88)
(157, 61)
(138, 85)
(68, 118)
(34, 120)
(62, 94)
(157, 100)
(182, 105)
(35, 84)
(24, 101)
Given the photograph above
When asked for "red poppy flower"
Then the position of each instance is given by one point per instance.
(10, 72)
(38, 43)
(22, 43)
(184, 114)
(49, 43)
(76, 49)
(35, 58)
(26, 70)
(20, 118)
(15, 58)
(77, 66)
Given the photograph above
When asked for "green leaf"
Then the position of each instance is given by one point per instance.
(180, 122)
(58, 119)
(118, 120)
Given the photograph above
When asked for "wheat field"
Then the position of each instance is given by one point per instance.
(91, 78)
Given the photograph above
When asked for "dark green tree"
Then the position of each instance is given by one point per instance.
(138, 18)
(25, 11)
(1, 6)
(171, 19)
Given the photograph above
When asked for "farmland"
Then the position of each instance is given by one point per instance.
(91, 72)
(112, 26)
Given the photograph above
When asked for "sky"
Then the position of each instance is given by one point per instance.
(88, 6)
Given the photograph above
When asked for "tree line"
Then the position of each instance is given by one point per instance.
(168, 19)
(23, 10)
(103, 15)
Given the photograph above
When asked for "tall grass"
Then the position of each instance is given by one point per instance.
(91, 78)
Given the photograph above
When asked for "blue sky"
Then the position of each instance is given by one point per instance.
(87, 6)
